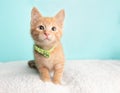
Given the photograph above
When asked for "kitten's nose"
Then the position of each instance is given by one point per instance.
(47, 34)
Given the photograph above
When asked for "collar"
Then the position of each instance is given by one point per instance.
(45, 53)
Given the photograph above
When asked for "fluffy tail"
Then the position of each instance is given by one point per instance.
(31, 64)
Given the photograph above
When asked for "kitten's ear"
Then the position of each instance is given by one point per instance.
(60, 16)
(35, 15)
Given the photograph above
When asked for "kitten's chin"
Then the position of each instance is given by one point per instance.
(45, 43)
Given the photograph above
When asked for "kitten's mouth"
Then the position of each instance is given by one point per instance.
(47, 39)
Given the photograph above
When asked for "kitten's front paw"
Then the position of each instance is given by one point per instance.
(56, 82)
(46, 80)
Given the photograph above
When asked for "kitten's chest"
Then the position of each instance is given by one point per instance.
(47, 62)
(56, 57)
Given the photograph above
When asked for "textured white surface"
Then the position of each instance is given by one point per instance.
(79, 77)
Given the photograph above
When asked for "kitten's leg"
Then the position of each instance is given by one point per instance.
(44, 73)
(58, 72)
(31, 64)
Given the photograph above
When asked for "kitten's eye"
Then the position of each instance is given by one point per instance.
(53, 28)
(41, 27)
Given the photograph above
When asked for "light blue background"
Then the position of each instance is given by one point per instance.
(92, 28)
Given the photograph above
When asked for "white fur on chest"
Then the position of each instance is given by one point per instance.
(48, 64)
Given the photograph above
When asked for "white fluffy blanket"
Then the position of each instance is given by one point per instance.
(79, 77)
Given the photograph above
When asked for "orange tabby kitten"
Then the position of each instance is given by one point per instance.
(46, 33)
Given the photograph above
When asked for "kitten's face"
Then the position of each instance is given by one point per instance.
(46, 30)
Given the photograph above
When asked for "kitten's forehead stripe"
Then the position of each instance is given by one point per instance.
(48, 22)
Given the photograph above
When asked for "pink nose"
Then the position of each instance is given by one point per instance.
(46, 34)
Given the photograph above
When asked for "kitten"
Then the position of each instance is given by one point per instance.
(48, 52)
